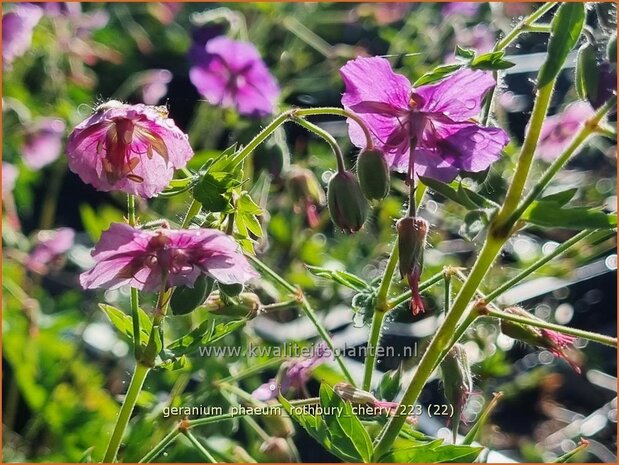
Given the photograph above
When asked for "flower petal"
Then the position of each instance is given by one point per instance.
(458, 96)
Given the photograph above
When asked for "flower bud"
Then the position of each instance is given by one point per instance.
(306, 192)
(587, 72)
(280, 426)
(347, 205)
(457, 382)
(373, 174)
(277, 450)
(186, 299)
(352, 394)
(412, 233)
(246, 304)
(553, 341)
(389, 386)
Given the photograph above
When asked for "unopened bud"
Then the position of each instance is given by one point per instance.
(347, 205)
(587, 72)
(389, 386)
(277, 450)
(412, 233)
(277, 425)
(457, 382)
(306, 192)
(186, 299)
(373, 174)
(246, 304)
(553, 341)
(352, 394)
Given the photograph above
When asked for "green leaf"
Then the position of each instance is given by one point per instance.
(347, 431)
(186, 299)
(550, 214)
(437, 74)
(492, 61)
(462, 195)
(561, 197)
(124, 323)
(207, 333)
(211, 189)
(172, 363)
(433, 452)
(342, 277)
(465, 53)
(566, 28)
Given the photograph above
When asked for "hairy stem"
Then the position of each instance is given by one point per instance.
(205, 454)
(339, 157)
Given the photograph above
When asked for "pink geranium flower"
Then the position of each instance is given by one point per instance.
(129, 148)
(43, 142)
(294, 374)
(50, 246)
(232, 75)
(559, 130)
(151, 260)
(434, 120)
(17, 27)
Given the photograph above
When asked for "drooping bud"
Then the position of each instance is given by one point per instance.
(277, 450)
(587, 72)
(457, 382)
(553, 341)
(347, 204)
(373, 174)
(352, 394)
(306, 192)
(246, 304)
(186, 299)
(412, 233)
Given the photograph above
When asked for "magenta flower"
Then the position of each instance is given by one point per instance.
(17, 27)
(232, 75)
(437, 117)
(9, 177)
(293, 374)
(50, 246)
(43, 142)
(466, 9)
(151, 260)
(129, 148)
(559, 130)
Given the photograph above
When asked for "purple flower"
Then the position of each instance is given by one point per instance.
(9, 177)
(129, 148)
(154, 85)
(294, 374)
(232, 75)
(17, 27)
(556, 343)
(559, 130)
(436, 116)
(151, 260)
(50, 246)
(466, 9)
(43, 142)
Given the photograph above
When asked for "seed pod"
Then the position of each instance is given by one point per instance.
(186, 299)
(352, 394)
(373, 174)
(347, 206)
(412, 233)
(587, 72)
(277, 450)
(553, 341)
(457, 382)
(246, 304)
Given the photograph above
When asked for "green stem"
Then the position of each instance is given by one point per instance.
(588, 130)
(447, 279)
(161, 446)
(134, 295)
(474, 431)
(192, 211)
(205, 454)
(382, 306)
(373, 341)
(340, 112)
(595, 337)
(538, 264)
(309, 312)
(440, 342)
(341, 167)
(524, 24)
(137, 381)
(540, 108)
